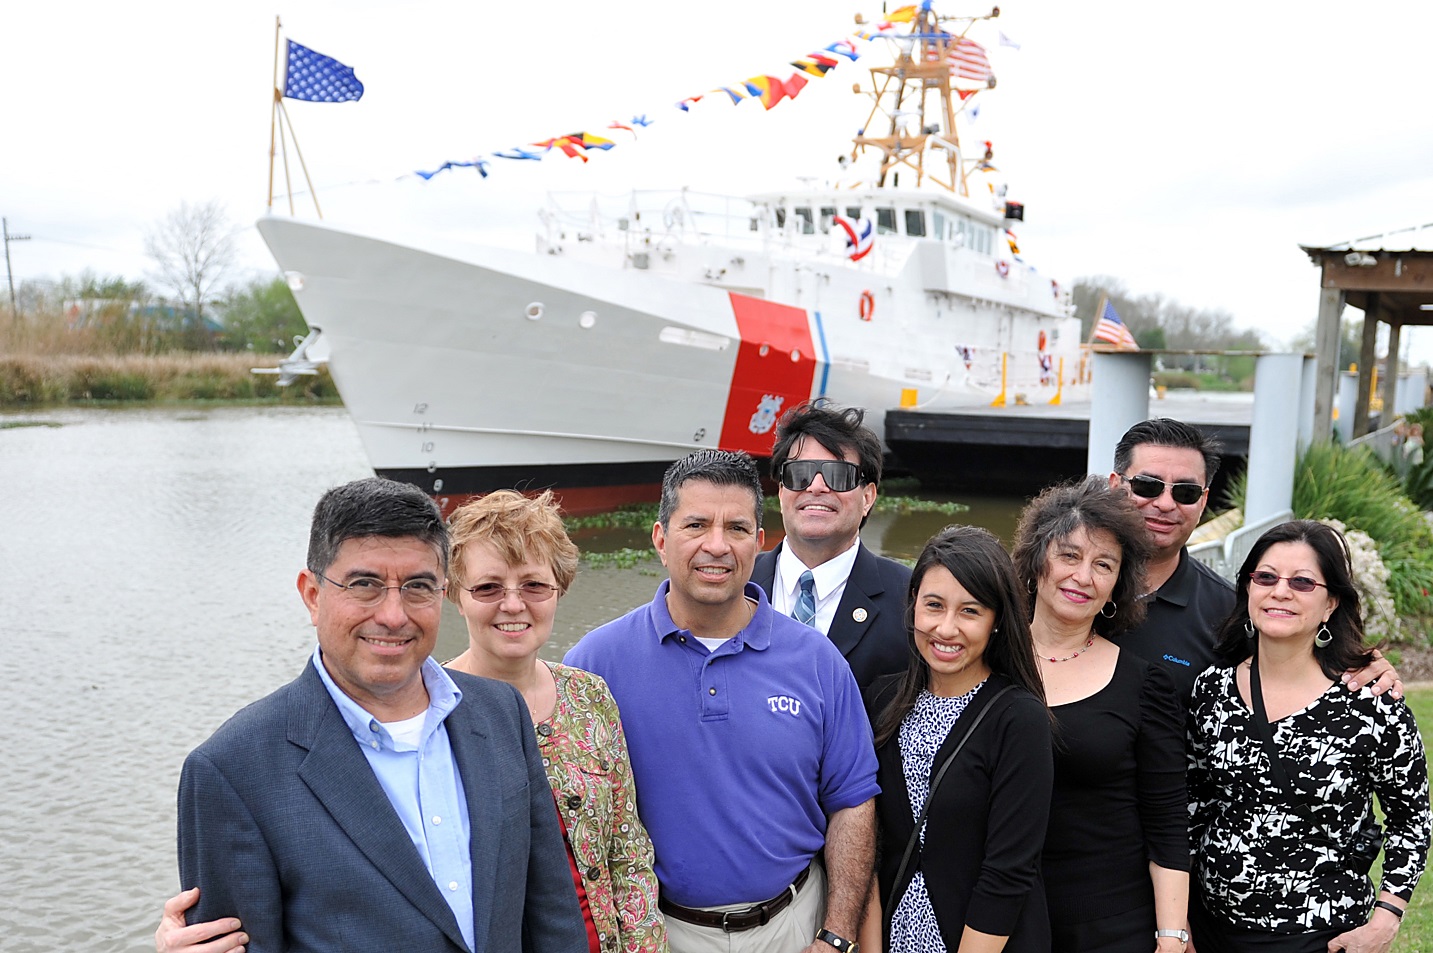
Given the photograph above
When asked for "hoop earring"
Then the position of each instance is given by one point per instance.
(1324, 637)
(1249, 630)
(1110, 605)
(1030, 584)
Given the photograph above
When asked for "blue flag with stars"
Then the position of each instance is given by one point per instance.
(318, 78)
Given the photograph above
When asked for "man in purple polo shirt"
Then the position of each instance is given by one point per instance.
(749, 744)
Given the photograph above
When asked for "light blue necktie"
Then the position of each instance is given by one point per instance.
(805, 610)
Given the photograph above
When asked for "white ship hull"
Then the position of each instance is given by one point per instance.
(593, 363)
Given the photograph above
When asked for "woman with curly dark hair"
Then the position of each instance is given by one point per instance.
(1284, 763)
(1116, 856)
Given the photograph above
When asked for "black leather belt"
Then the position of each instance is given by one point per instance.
(734, 921)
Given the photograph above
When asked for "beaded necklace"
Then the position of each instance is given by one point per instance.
(1078, 652)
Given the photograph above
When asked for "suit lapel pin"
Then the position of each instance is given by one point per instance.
(858, 614)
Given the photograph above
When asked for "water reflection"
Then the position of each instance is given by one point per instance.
(149, 559)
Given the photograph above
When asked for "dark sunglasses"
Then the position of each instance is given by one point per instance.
(1269, 580)
(1150, 488)
(839, 475)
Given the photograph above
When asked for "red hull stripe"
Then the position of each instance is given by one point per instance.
(775, 369)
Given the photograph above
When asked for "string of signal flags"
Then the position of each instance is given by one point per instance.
(314, 77)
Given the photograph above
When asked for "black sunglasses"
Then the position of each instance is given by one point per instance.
(1262, 577)
(839, 475)
(1150, 488)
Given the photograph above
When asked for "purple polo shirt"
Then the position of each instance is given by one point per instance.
(738, 755)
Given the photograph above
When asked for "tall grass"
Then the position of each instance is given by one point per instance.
(1333, 481)
(33, 380)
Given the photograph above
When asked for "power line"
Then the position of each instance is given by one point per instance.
(9, 274)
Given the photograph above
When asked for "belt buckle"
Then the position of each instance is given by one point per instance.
(725, 927)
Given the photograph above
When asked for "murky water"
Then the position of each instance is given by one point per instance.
(147, 568)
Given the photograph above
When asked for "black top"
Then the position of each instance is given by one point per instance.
(1119, 800)
(869, 626)
(1184, 618)
(986, 823)
(1264, 864)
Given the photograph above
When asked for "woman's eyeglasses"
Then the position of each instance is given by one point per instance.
(1269, 580)
(839, 475)
(1150, 488)
(531, 591)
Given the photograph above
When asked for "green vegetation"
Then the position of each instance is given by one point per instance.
(911, 504)
(631, 516)
(92, 338)
(624, 558)
(1353, 486)
(1416, 933)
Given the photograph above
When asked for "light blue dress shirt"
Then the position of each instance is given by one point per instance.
(422, 784)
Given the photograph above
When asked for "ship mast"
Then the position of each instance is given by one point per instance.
(902, 92)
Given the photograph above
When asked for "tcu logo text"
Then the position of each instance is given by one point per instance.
(792, 706)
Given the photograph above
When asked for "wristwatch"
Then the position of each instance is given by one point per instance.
(1181, 935)
(842, 944)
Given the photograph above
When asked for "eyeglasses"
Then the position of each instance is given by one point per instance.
(1150, 488)
(366, 591)
(530, 591)
(1269, 580)
(839, 475)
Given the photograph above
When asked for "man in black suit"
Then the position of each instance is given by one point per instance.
(828, 465)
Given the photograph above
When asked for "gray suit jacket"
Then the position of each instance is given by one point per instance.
(283, 824)
(874, 645)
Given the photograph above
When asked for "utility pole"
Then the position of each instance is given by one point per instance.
(10, 274)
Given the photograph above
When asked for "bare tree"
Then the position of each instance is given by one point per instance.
(194, 249)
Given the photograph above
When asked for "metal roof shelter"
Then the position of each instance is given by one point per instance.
(1389, 277)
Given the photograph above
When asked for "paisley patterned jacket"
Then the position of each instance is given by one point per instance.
(585, 756)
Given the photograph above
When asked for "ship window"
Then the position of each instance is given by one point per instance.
(915, 223)
(885, 221)
(803, 219)
(827, 214)
(853, 213)
(941, 226)
(755, 225)
(780, 218)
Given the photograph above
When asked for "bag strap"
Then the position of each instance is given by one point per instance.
(930, 796)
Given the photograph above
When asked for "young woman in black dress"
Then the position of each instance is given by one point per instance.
(1272, 844)
(1116, 859)
(973, 881)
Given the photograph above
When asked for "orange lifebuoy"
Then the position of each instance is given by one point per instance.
(868, 305)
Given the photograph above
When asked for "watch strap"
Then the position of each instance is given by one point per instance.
(842, 944)
(1397, 911)
(1181, 935)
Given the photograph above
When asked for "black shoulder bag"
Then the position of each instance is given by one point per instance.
(1367, 841)
(930, 796)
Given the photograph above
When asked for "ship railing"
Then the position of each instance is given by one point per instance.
(1226, 555)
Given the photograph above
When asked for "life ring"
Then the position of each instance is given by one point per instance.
(1003, 267)
(868, 305)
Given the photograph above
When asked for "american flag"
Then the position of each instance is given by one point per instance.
(1111, 329)
(968, 60)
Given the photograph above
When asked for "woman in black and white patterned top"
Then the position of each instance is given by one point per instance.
(1274, 867)
(974, 880)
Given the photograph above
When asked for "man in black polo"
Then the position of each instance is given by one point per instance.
(1166, 466)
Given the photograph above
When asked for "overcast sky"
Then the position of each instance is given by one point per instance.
(1187, 150)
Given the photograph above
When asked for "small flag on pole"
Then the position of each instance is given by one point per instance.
(319, 79)
(1112, 330)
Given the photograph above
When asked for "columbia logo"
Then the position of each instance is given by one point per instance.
(1176, 660)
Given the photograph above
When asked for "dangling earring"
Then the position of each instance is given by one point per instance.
(1322, 640)
(1113, 607)
(1249, 630)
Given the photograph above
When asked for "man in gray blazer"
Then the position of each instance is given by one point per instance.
(828, 465)
(378, 802)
